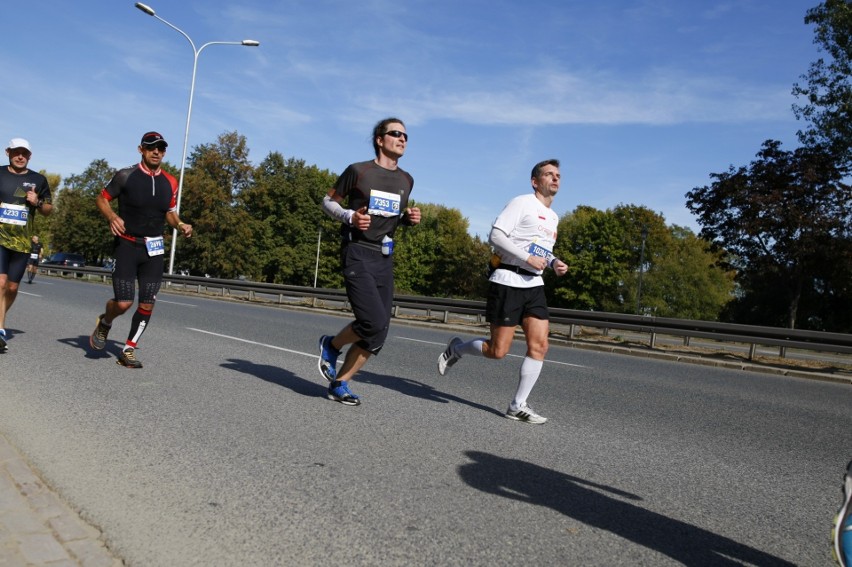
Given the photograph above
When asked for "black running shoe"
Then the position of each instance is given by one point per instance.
(128, 359)
(98, 338)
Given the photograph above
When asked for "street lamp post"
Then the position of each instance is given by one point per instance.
(641, 270)
(316, 267)
(196, 52)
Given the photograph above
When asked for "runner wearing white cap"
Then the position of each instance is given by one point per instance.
(22, 193)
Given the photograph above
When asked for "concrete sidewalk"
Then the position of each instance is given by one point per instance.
(36, 527)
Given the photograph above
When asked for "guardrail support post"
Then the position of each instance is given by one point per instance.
(653, 339)
(751, 348)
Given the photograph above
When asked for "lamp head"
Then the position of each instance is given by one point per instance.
(147, 9)
(251, 42)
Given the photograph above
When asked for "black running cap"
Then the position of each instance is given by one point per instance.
(153, 138)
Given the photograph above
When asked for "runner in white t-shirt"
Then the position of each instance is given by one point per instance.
(523, 237)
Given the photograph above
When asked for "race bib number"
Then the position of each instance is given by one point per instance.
(14, 214)
(155, 246)
(33, 256)
(383, 204)
(539, 251)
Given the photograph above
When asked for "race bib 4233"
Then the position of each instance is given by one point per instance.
(14, 214)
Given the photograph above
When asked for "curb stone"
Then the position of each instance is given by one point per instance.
(38, 529)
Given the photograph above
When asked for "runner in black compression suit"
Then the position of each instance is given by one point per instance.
(147, 200)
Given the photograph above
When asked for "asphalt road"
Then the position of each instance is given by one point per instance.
(224, 451)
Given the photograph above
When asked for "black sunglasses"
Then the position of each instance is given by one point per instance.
(397, 134)
(159, 147)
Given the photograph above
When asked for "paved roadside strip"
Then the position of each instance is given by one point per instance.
(841, 375)
(36, 527)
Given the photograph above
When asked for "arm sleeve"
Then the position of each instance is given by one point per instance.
(505, 247)
(333, 209)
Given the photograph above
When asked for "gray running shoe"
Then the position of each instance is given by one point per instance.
(128, 359)
(449, 356)
(526, 414)
(99, 336)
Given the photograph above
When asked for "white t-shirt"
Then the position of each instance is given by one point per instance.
(531, 226)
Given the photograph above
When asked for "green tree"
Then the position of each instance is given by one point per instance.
(286, 197)
(43, 225)
(222, 244)
(783, 220)
(686, 279)
(438, 257)
(591, 242)
(827, 87)
(76, 225)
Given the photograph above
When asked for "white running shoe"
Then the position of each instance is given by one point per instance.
(448, 357)
(526, 414)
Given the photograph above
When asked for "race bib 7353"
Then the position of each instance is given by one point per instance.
(383, 204)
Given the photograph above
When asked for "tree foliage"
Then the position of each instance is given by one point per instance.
(286, 198)
(43, 225)
(438, 257)
(591, 242)
(222, 244)
(827, 87)
(76, 224)
(609, 252)
(784, 221)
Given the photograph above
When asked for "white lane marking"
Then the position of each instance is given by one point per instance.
(176, 303)
(26, 293)
(512, 355)
(252, 342)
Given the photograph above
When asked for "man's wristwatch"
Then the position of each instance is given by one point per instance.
(40, 203)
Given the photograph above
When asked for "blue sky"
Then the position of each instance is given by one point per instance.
(640, 99)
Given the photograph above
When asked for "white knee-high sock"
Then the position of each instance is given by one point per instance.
(473, 347)
(530, 370)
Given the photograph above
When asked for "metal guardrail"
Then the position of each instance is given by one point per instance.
(751, 335)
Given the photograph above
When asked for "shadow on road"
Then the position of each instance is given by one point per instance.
(82, 343)
(418, 390)
(587, 502)
(278, 376)
(286, 379)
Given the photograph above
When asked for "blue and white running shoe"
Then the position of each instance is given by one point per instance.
(339, 392)
(327, 363)
(842, 532)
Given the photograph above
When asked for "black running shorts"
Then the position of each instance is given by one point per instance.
(133, 264)
(368, 276)
(508, 306)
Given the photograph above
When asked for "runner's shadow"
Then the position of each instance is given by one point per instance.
(82, 343)
(588, 502)
(278, 376)
(417, 389)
